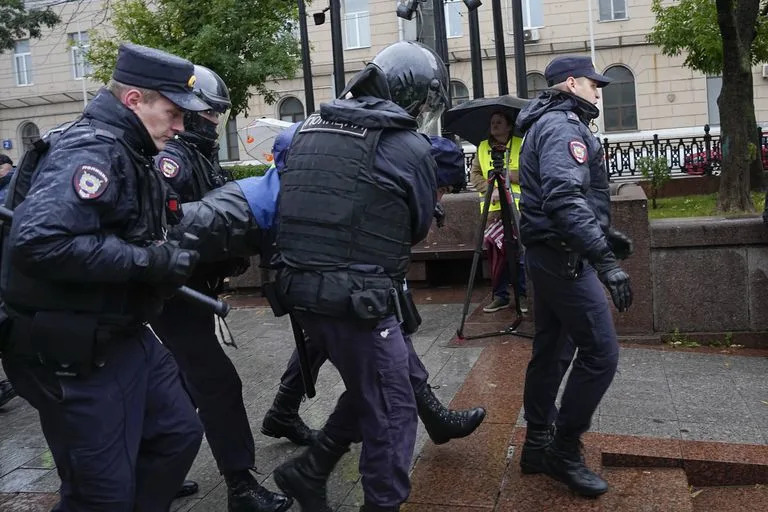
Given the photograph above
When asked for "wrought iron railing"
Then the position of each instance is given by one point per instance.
(686, 156)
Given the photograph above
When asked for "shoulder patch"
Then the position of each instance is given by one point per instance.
(578, 151)
(89, 182)
(573, 117)
(169, 167)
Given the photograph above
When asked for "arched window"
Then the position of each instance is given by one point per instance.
(459, 92)
(536, 83)
(291, 110)
(29, 133)
(619, 102)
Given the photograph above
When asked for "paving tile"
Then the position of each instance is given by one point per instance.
(731, 499)
(640, 390)
(723, 432)
(20, 479)
(651, 409)
(646, 427)
(647, 490)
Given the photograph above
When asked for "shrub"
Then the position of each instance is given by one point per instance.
(246, 171)
(656, 171)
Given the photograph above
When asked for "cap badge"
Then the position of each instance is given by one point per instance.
(191, 81)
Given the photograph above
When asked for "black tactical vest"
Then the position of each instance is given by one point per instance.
(333, 212)
(26, 294)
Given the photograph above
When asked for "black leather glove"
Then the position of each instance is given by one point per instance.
(620, 244)
(169, 264)
(617, 282)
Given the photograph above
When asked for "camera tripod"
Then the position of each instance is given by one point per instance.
(509, 215)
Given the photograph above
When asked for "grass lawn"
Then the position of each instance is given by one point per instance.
(695, 206)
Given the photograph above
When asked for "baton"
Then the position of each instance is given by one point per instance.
(219, 307)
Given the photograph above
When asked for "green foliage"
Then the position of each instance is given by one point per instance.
(703, 205)
(246, 171)
(656, 171)
(681, 340)
(16, 22)
(691, 26)
(247, 43)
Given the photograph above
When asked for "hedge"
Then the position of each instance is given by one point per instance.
(246, 171)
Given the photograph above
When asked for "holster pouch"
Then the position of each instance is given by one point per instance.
(411, 318)
(65, 341)
(573, 263)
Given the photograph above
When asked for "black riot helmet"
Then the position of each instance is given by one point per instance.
(210, 88)
(417, 80)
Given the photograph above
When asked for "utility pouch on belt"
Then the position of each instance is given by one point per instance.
(65, 341)
(411, 318)
(573, 263)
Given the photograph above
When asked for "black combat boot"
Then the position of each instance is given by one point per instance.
(563, 461)
(304, 477)
(283, 420)
(377, 508)
(444, 424)
(188, 488)
(537, 438)
(244, 494)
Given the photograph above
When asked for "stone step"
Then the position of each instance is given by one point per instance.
(730, 499)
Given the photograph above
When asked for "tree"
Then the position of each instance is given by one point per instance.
(723, 37)
(16, 22)
(246, 43)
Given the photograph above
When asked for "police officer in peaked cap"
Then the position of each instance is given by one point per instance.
(357, 191)
(572, 252)
(189, 163)
(85, 267)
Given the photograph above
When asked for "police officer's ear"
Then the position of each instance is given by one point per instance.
(131, 98)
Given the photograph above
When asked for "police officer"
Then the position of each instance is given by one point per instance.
(84, 267)
(358, 189)
(189, 163)
(442, 424)
(571, 249)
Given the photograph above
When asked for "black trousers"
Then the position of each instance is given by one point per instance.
(188, 330)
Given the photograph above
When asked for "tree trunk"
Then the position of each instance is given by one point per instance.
(737, 20)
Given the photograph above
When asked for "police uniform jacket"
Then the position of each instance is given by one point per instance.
(76, 240)
(190, 166)
(357, 190)
(564, 182)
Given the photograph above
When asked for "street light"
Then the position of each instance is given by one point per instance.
(339, 80)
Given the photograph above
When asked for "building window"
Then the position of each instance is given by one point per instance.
(228, 144)
(459, 92)
(357, 26)
(619, 102)
(452, 10)
(79, 44)
(22, 62)
(714, 85)
(613, 10)
(536, 84)
(29, 133)
(533, 14)
(291, 110)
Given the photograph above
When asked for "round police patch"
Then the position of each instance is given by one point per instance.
(169, 167)
(89, 182)
(578, 151)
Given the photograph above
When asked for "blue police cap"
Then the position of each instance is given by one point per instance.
(153, 69)
(572, 65)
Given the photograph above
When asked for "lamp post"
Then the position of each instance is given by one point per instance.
(474, 55)
(501, 53)
(517, 28)
(339, 81)
(306, 66)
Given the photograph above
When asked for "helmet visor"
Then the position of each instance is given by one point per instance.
(219, 119)
(432, 109)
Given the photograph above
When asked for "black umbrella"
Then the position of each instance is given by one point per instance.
(471, 120)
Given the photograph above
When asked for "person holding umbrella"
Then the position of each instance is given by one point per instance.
(500, 135)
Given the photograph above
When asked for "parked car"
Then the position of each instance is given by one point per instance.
(696, 164)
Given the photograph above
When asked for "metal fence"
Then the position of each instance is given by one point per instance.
(686, 156)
